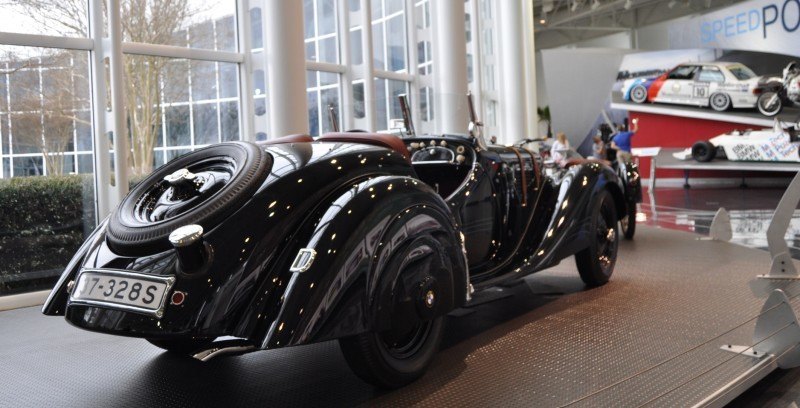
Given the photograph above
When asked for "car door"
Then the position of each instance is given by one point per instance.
(708, 78)
(678, 86)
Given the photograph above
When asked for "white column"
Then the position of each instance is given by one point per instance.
(450, 65)
(285, 53)
(513, 107)
(246, 112)
(530, 74)
(119, 123)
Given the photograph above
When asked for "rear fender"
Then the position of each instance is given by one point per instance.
(346, 289)
(56, 302)
(631, 182)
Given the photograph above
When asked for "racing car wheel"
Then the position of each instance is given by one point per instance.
(720, 102)
(704, 151)
(639, 94)
(202, 187)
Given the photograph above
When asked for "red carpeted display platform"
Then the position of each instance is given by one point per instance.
(677, 126)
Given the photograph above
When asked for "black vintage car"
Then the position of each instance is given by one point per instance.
(366, 238)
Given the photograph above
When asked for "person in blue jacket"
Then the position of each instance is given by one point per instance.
(622, 141)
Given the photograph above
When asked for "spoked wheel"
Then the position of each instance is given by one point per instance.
(628, 222)
(202, 187)
(769, 104)
(720, 102)
(639, 94)
(401, 354)
(596, 263)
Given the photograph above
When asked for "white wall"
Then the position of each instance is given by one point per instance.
(577, 94)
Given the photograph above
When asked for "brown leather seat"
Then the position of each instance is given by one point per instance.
(576, 161)
(299, 138)
(374, 139)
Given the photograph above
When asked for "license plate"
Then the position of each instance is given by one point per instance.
(130, 291)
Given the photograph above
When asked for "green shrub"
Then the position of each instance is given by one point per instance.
(43, 221)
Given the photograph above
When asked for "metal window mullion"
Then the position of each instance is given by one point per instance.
(345, 78)
(217, 79)
(477, 58)
(412, 58)
(191, 96)
(117, 102)
(41, 116)
(175, 51)
(369, 64)
(100, 147)
(397, 76)
(46, 41)
(325, 67)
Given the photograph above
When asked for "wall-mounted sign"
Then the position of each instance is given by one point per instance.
(756, 25)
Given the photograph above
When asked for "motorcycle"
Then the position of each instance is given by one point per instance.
(775, 95)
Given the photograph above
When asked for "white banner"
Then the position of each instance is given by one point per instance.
(756, 25)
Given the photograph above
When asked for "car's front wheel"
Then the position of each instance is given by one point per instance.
(596, 262)
(628, 222)
(720, 102)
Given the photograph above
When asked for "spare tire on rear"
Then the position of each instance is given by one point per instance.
(218, 179)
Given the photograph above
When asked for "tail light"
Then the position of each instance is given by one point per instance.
(757, 91)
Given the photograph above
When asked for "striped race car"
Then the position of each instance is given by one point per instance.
(721, 85)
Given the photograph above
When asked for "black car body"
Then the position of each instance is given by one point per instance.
(370, 239)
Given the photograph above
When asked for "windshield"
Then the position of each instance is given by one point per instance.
(741, 72)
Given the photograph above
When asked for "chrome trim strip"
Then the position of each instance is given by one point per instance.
(157, 313)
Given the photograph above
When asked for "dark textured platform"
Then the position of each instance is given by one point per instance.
(550, 343)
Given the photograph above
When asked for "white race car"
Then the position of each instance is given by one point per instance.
(720, 85)
(777, 144)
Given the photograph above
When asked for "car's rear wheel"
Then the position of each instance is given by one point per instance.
(719, 101)
(769, 104)
(639, 94)
(202, 187)
(395, 357)
(596, 262)
(704, 151)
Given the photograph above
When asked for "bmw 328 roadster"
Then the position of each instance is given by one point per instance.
(370, 239)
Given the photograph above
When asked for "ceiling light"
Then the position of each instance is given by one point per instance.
(542, 21)
(595, 4)
(628, 5)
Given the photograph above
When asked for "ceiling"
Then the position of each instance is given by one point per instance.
(563, 22)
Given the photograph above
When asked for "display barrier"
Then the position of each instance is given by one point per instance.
(782, 266)
(721, 226)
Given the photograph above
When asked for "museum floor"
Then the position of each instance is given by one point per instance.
(650, 337)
